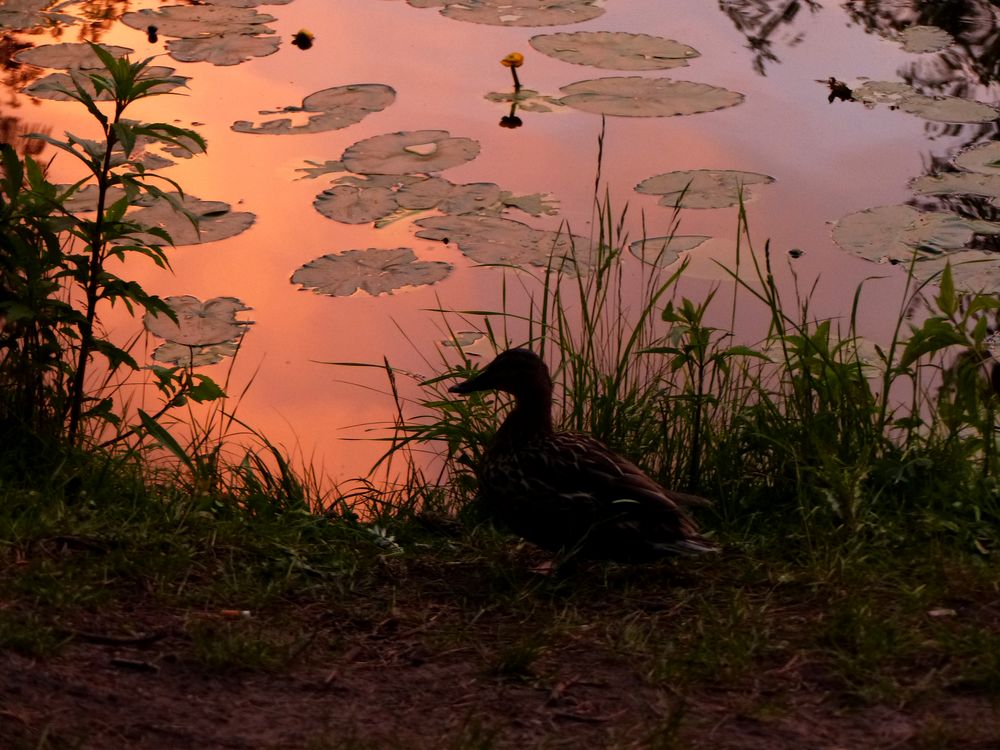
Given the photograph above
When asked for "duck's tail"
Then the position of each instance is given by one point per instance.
(689, 546)
(687, 500)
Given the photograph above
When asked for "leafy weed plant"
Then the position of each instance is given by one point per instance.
(57, 271)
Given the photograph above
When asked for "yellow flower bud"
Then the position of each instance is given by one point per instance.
(513, 60)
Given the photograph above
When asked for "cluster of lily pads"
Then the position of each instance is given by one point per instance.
(622, 96)
(389, 176)
(900, 234)
(515, 12)
(902, 96)
(226, 33)
(76, 58)
(204, 333)
(693, 188)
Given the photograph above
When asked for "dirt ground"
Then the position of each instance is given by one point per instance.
(419, 678)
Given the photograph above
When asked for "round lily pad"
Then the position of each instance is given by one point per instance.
(935, 108)
(527, 100)
(702, 188)
(896, 233)
(216, 220)
(194, 21)
(948, 109)
(958, 183)
(972, 271)
(334, 108)
(535, 204)
(375, 271)
(409, 152)
(53, 85)
(68, 55)
(471, 198)
(494, 240)
(516, 12)
(919, 39)
(249, 3)
(350, 204)
(462, 339)
(194, 356)
(647, 97)
(614, 50)
(662, 251)
(425, 194)
(199, 323)
(21, 15)
(224, 49)
(983, 158)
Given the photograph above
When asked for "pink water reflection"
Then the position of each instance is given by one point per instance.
(828, 160)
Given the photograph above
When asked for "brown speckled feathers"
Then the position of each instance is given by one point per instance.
(566, 491)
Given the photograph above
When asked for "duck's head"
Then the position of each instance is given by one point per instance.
(519, 372)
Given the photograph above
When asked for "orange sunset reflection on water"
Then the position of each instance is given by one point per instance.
(827, 160)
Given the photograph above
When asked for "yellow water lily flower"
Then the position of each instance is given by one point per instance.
(514, 61)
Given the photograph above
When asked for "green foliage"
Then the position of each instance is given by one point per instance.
(811, 434)
(54, 269)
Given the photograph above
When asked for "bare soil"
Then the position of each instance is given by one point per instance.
(423, 659)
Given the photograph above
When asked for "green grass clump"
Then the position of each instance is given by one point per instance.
(808, 434)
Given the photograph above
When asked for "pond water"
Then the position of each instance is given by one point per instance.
(758, 101)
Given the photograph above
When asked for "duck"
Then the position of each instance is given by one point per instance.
(567, 492)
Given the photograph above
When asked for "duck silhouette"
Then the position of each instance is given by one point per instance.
(566, 491)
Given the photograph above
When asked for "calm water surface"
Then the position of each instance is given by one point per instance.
(828, 160)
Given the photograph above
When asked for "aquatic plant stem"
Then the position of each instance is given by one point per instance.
(92, 295)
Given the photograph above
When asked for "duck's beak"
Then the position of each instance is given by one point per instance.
(473, 384)
(467, 386)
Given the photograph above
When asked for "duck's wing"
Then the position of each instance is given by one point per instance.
(628, 500)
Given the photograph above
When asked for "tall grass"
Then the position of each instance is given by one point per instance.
(811, 434)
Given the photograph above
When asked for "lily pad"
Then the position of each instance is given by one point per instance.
(702, 188)
(54, 85)
(216, 220)
(375, 271)
(334, 108)
(633, 96)
(224, 49)
(958, 183)
(423, 195)
(919, 39)
(193, 21)
(68, 55)
(21, 15)
(662, 251)
(194, 356)
(983, 158)
(527, 100)
(934, 108)
(515, 12)
(896, 233)
(462, 339)
(409, 152)
(199, 323)
(449, 198)
(535, 204)
(316, 169)
(495, 240)
(249, 3)
(350, 204)
(471, 197)
(614, 50)
(972, 271)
